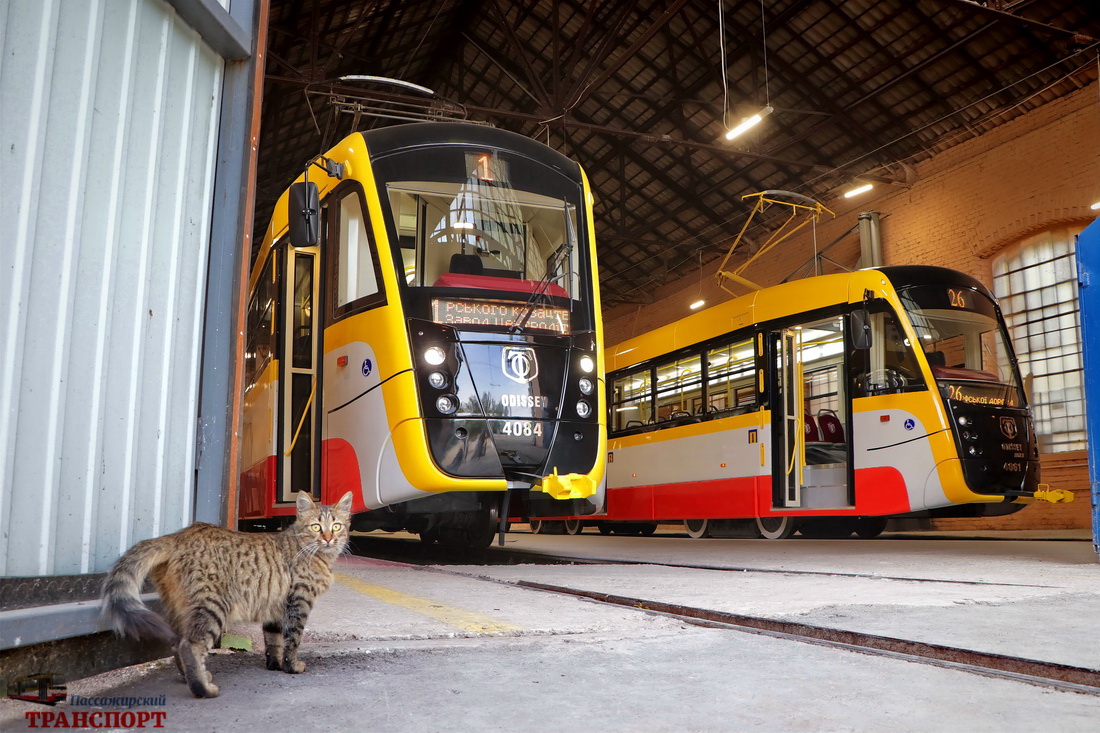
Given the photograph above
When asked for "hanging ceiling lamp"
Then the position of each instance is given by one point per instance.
(752, 120)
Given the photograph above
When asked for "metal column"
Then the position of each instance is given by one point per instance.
(216, 471)
(870, 240)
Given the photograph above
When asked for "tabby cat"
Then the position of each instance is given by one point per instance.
(209, 577)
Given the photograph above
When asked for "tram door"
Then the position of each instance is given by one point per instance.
(789, 467)
(299, 398)
(811, 422)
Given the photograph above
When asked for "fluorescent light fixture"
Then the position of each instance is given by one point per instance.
(857, 191)
(463, 225)
(748, 122)
(388, 80)
(697, 304)
(1095, 206)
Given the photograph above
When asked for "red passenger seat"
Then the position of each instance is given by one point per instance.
(832, 430)
(813, 435)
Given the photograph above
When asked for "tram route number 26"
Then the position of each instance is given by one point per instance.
(957, 298)
(520, 428)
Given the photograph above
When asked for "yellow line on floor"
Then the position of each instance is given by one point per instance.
(466, 620)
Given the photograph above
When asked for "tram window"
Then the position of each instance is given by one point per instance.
(731, 377)
(357, 274)
(261, 320)
(632, 400)
(679, 388)
(822, 358)
(302, 342)
(890, 365)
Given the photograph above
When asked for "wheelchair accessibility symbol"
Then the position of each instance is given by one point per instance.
(910, 424)
(367, 367)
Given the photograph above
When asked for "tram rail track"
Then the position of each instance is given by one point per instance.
(1031, 671)
(1051, 675)
(416, 553)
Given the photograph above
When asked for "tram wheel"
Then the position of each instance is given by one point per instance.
(697, 528)
(868, 528)
(537, 526)
(479, 538)
(604, 528)
(776, 528)
(573, 526)
(646, 529)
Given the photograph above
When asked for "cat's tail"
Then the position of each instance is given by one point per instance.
(122, 605)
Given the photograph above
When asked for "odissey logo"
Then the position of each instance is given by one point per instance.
(519, 364)
(1008, 427)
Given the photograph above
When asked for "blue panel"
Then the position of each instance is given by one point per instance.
(1088, 276)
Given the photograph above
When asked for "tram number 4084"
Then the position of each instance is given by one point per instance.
(519, 428)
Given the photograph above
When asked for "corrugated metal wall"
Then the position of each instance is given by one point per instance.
(108, 125)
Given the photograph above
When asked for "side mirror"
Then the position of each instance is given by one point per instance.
(861, 328)
(303, 214)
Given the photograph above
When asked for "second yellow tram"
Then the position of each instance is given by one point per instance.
(825, 406)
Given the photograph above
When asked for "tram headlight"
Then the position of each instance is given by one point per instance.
(437, 380)
(974, 451)
(435, 355)
(964, 420)
(586, 385)
(446, 404)
(587, 364)
(583, 408)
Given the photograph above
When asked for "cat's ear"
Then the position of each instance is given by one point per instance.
(344, 504)
(305, 502)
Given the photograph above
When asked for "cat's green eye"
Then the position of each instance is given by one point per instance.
(336, 526)
(315, 527)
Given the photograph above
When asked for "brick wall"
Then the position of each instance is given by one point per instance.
(967, 204)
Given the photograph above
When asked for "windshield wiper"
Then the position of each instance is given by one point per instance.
(561, 255)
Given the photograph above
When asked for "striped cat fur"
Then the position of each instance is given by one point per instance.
(209, 577)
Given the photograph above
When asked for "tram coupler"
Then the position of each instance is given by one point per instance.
(1045, 493)
(568, 486)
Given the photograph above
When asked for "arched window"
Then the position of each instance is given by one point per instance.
(1036, 284)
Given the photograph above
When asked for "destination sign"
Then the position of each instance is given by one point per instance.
(499, 314)
(992, 395)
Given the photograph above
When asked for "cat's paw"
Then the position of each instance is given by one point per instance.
(274, 664)
(294, 667)
(200, 688)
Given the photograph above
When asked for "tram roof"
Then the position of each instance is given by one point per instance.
(778, 301)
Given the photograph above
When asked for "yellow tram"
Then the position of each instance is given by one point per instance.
(424, 330)
(826, 406)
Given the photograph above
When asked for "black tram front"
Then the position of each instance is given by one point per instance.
(963, 335)
(497, 289)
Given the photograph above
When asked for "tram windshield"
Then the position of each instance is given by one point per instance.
(479, 229)
(965, 343)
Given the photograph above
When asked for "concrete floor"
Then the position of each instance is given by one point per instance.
(394, 647)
